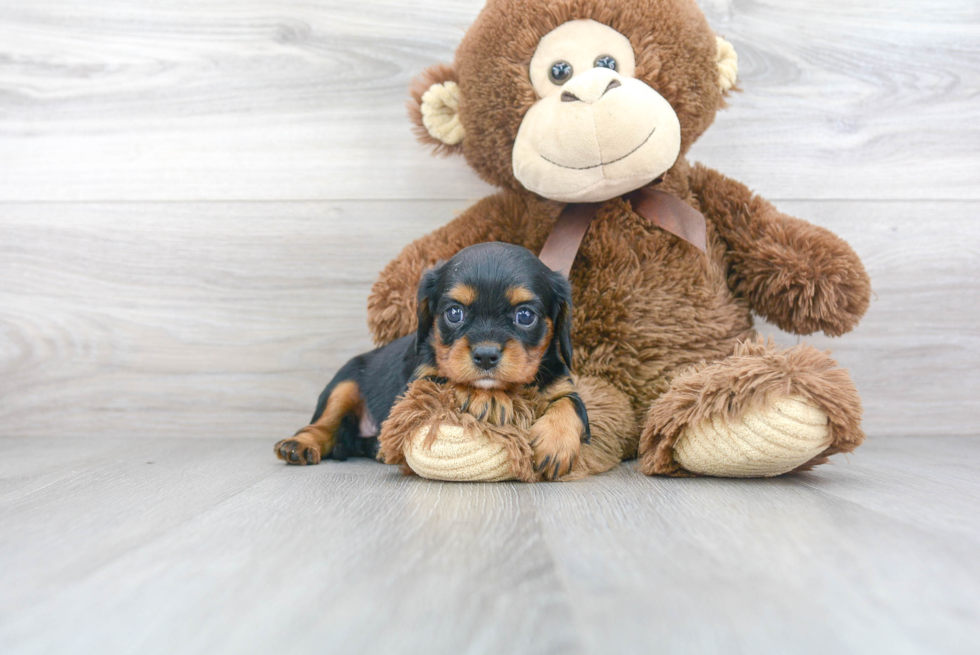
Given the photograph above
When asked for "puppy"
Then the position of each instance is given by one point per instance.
(493, 321)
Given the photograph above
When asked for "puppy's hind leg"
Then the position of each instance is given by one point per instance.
(348, 441)
(316, 440)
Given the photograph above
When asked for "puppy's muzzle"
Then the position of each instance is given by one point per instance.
(486, 357)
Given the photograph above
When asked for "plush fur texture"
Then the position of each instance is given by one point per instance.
(754, 375)
(660, 329)
(427, 404)
(438, 74)
(610, 414)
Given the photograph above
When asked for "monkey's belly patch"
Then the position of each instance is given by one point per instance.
(458, 455)
(764, 443)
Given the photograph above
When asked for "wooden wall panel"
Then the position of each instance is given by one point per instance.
(287, 100)
(228, 318)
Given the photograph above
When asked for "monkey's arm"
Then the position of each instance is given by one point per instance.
(801, 277)
(391, 304)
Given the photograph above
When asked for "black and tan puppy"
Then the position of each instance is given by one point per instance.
(492, 320)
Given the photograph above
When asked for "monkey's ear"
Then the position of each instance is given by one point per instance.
(434, 109)
(428, 288)
(727, 60)
(562, 317)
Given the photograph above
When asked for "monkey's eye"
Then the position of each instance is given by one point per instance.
(454, 315)
(525, 317)
(605, 61)
(561, 72)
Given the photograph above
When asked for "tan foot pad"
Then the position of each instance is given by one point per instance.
(458, 456)
(764, 443)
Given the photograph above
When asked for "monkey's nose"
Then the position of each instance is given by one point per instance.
(486, 357)
(571, 97)
(591, 85)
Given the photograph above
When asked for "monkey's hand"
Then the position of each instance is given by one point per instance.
(800, 277)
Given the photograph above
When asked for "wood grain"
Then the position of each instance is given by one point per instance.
(286, 100)
(211, 546)
(214, 319)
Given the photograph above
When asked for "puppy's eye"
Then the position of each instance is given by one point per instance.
(525, 317)
(561, 72)
(454, 315)
(605, 61)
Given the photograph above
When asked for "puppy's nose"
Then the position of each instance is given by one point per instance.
(486, 357)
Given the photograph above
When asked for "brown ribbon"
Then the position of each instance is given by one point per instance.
(667, 212)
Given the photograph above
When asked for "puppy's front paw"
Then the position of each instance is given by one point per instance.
(556, 439)
(300, 449)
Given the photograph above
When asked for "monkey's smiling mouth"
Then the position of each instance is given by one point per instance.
(602, 163)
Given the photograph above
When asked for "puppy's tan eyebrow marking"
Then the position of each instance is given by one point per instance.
(518, 295)
(463, 294)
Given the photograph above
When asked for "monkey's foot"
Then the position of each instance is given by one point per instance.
(760, 412)
(458, 455)
(764, 443)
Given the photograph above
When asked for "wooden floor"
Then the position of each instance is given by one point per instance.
(211, 546)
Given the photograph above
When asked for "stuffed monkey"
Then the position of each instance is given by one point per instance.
(585, 101)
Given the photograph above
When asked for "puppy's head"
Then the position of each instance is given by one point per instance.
(495, 317)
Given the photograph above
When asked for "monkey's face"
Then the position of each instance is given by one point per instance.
(494, 313)
(596, 132)
(576, 100)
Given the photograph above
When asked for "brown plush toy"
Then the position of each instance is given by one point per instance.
(586, 101)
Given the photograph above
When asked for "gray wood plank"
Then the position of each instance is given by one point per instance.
(338, 558)
(841, 99)
(280, 99)
(946, 482)
(771, 566)
(218, 548)
(120, 495)
(107, 308)
(216, 319)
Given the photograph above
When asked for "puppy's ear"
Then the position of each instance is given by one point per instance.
(562, 317)
(427, 300)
